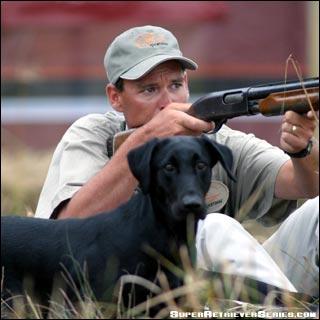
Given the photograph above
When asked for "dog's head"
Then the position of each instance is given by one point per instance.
(176, 172)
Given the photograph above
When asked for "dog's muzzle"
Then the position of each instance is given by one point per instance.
(191, 204)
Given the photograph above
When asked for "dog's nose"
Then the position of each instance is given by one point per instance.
(192, 202)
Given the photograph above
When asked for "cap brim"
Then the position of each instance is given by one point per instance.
(148, 64)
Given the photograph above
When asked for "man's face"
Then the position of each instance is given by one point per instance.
(142, 99)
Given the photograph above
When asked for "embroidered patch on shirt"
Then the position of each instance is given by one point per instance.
(217, 196)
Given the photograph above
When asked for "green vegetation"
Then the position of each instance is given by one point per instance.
(23, 173)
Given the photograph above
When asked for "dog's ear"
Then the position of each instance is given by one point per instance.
(139, 163)
(224, 155)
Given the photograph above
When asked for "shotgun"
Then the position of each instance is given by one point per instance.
(268, 99)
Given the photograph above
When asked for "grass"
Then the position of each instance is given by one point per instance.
(23, 172)
(198, 294)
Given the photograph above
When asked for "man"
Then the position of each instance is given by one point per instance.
(149, 85)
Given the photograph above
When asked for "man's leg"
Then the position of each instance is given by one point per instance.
(295, 247)
(223, 245)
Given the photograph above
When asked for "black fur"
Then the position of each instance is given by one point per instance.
(174, 175)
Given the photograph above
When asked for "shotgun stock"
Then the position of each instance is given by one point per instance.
(269, 100)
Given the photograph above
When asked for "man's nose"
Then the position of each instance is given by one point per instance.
(165, 99)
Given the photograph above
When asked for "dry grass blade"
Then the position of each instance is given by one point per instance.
(247, 206)
(163, 280)
(295, 64)
(163, 261)
(297, 69)
(5, 305)
(133, 279)
(36, 311)
(164, 297)
(190, 277)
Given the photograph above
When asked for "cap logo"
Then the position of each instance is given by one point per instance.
(150, 39)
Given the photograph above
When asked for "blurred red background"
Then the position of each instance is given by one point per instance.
(53, 49)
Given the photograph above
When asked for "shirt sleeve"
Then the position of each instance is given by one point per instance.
(256, 166)
(81, 154)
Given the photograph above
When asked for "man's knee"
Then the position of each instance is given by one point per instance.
(295, 247)
(218, 222)
(223, 245)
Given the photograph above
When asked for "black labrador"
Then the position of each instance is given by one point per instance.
(174, 176)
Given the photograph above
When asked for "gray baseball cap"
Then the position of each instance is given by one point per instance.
(137, 51)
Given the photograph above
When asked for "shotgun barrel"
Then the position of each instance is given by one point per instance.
(223, 105)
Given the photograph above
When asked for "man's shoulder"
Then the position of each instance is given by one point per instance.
(103, 124)
(93, 120)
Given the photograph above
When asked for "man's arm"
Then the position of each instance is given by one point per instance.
(298, 177)
(115, 184)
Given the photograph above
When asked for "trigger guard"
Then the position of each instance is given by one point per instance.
(218, 125)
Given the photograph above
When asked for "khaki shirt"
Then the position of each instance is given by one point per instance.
(82, 153)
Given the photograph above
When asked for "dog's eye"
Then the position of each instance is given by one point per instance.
(169, 167)
(201, 166)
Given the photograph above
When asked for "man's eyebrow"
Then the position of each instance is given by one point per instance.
(144, 83)
(177, 79)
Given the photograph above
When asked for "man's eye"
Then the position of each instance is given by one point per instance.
(169, 167)
(176, 85)
(201, 166)
(149, 90)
